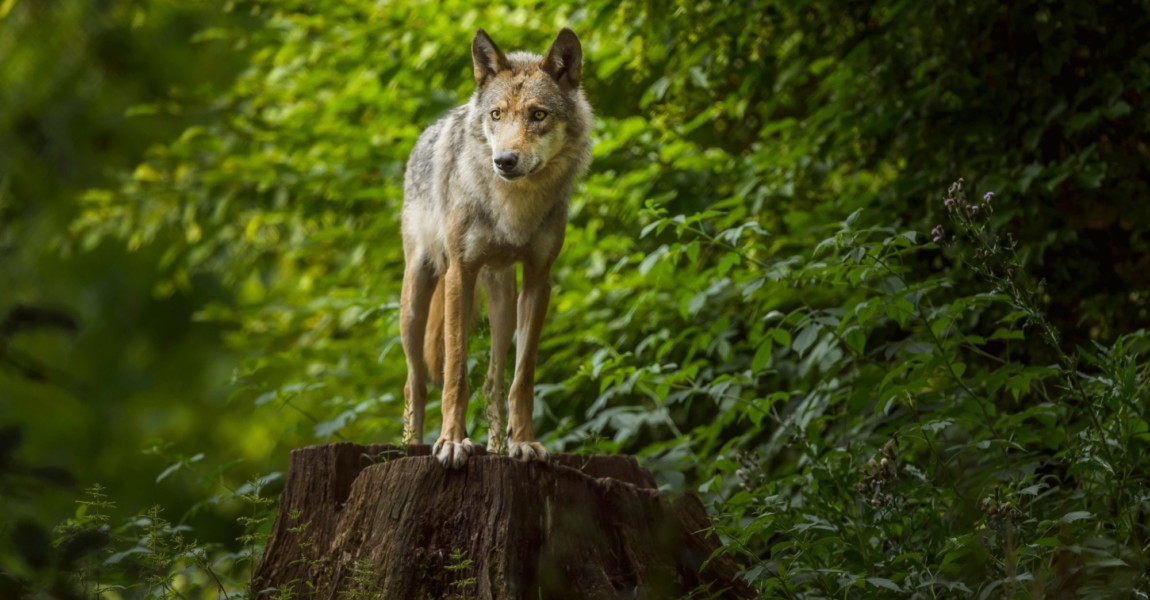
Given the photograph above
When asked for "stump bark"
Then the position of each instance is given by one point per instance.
(390, 522)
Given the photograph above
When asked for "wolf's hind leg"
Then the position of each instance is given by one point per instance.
(500, 286)
(419, 281)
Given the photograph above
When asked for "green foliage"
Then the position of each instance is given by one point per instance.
(362, 582)
(148, 556)
(924, 457)
(93, 366)
(748, 298)
(461, 565)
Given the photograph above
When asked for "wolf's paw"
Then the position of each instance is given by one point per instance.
(452, 455)
(526, 451)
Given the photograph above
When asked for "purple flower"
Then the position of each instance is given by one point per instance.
(936, 234)
(973, 208)
(948, 203)
(987, 196)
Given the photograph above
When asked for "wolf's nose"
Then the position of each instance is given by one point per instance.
(506, 161)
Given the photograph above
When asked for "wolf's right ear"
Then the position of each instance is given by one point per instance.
(487, 58)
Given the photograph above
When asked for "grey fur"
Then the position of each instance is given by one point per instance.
(467, 219)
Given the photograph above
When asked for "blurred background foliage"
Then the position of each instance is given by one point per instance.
(201, 266)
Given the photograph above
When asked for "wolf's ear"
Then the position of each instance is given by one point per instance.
(564, 62)
(487, 57)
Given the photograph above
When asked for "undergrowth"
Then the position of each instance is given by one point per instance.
(922, 460)
(926, 461)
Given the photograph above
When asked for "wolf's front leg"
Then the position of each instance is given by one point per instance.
(533, 301)
(453, 448)
(500, 286)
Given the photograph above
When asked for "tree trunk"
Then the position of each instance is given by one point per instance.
(390, 522)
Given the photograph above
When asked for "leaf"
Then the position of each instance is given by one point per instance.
(1077, 515)
(656, 91)
(1117, 109)
(697, 302)
(883, 583)
(1027, 176)
(119, 556)
(698, 77)
(935, 426)
(692, 250)
(1033, 490)
(855, 339)
(326, 429)
(147, 173)
(900, 309)
(1083, 120)
(916, 347)
(774, 314)
(807, 337)
(829, 242)
(728, 261)
(1107, 562)
(649, 262)
(1003, 333)
(172, 468)
(762, 355)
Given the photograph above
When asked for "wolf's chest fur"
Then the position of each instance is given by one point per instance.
(512, 227)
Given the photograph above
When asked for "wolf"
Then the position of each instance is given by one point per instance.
(487, 187)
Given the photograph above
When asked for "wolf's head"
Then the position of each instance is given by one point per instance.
(528, 104)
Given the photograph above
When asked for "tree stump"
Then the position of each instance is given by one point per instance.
(390, 522)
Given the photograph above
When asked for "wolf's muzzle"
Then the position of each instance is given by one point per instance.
(506, 162)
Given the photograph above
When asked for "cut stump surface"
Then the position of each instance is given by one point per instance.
(390, 522)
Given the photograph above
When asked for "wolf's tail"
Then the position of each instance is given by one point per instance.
(433, 344)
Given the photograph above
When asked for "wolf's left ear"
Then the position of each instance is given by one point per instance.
(564, 62)
(487, 58)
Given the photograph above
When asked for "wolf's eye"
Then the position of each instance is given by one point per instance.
(496, 114)
(539, 115)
